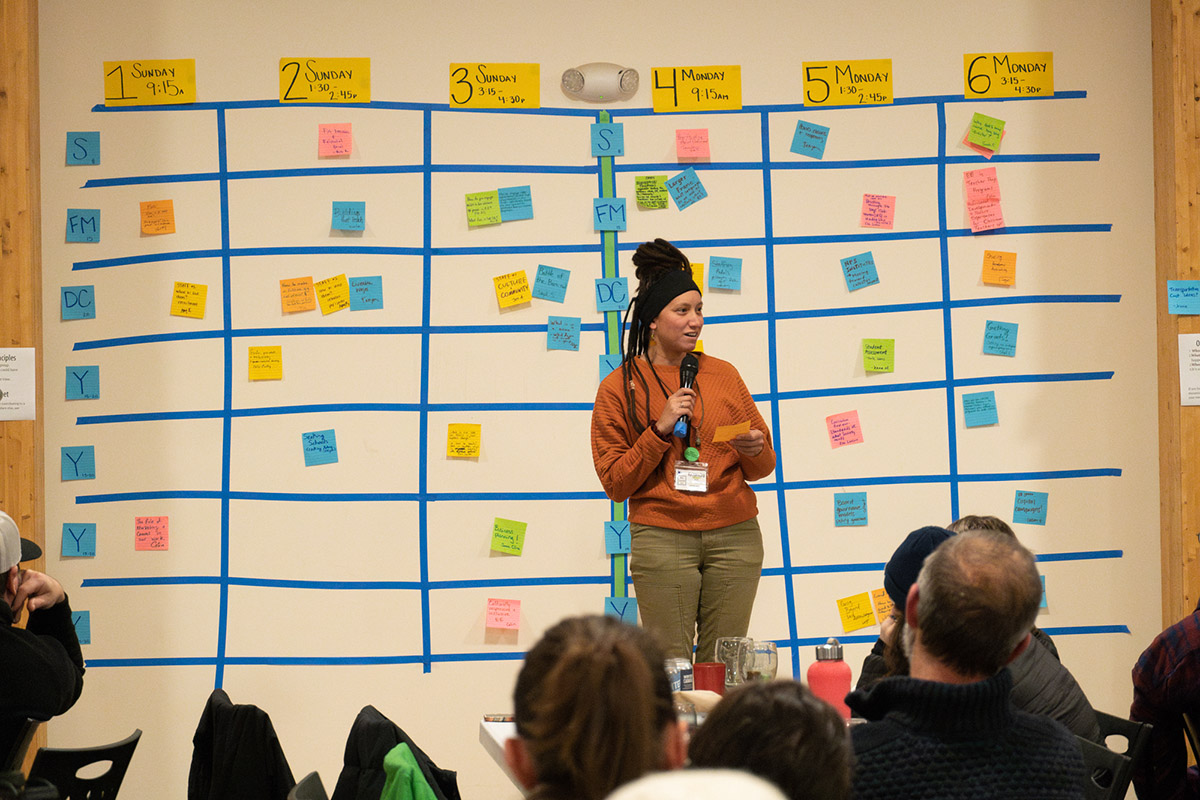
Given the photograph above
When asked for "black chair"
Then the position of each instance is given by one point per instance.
(309, 788)
(18, 737)
(1135, 734)
(60, 766)
(1193, 734)
(1107, 773)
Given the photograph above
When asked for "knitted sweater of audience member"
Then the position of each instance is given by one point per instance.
(942, 741)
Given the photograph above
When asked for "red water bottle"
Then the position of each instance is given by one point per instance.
(829, 677)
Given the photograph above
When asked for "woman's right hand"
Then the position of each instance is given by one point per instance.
(678, 404)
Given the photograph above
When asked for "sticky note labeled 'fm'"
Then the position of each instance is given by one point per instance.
(809, 139)
(1030, 507)
(158, 217)
(878, 211)
(879, 355)
(366, 293)
(320, 447)
(686, 188)
(857, 612)
(349, 215)
(883, 603)
(691, 143)
(188, 300)
(612, 294)
(266, 363)
(725, 273)
(333, 294)
(463, 439)
(83, 383)
(334, 140)
(512, 289)
(83, 147)
(79, 463)
(650, 191)
(562, 333)
(979, 409)
(999, 268)
(608, 213)
(83, 224)
(151, 533)
(550, 283)
(1000, 338)
(849, 509)
(483, 208)
(297, 294)
(78, 539)
(503, 614)
(844, 429)
(617, 537)
(508, 536)
(623, 608)
(608, 139)
(859, 271)
(516, 202)
(1183, 297)
(78, 302)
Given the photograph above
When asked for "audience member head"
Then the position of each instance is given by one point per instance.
(899, 574)
(782, 732)
(975, 522)
(974, 603)
(13, 550)
(593, 709)
(699, 784)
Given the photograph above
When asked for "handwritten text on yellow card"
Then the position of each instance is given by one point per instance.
(266, 363)
(188, 300)
(856, 612)
(697, 88)
(333, 294)
(512, 289)
(324, 80)
(463, 439)
(150, 83)
(848, 83)
(1008, 74)
(495, 86)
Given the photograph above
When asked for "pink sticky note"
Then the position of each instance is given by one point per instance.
(985, 215)
(150, 533)
(691, 143)
(503, 614)
(878, 211)
(844, 429)
(978, 148)
(334, 140)
(981, 184)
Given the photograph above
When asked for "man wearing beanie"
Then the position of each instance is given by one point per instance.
(42, 664)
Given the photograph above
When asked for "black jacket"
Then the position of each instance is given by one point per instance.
(236, 754)
(371, 737)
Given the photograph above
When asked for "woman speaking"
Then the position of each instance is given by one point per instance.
(696, 552)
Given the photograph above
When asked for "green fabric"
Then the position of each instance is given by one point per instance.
(405, 781)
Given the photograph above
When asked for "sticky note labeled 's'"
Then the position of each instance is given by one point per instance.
(333, 294)
(1030, 507)
(83, 147)
(608, 139)
(335, 140)
(725, 273)
(883, 603)
(809, 139)
(78, 539)
(516, 202)
(366, 292)
(878, 211)
(650, 191)
(857, 612)
(512, 289)
(83, 383)
(83, 224)
(503, 614)
(608, 213)
(879, 355)
(617, 537)
(859, 271)
(349, 215)
(266, 363)
(463, 439)
(158, 217)
(844, 429)
(1000, 338)
(1183, 297)
(82, 620)
(483, 208)
(151, 533)
(608, 363)
(612, 294)
(979, 409)
(623, 608)
(691, 143)
(297, 294)
(79, 463)
(849, 509)
(562, 333)
(78, 302)
(550, 283)
(686, 188)
(999, 268)
(985, 131)
(508, 536)
(188, 300)
(320, 447)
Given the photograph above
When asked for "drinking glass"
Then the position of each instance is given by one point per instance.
(734, 652)
(763, 662)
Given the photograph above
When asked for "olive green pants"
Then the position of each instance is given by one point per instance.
(689, 581)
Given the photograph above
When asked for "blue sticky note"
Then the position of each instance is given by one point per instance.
(366, 292)
(1000, 338)
(349, 215)
(616, 537)
(78, 302)
(78, 539)
(83, 224)
(82, 620)
(608, 363)
(979, 408)
(725, 273)
(849, 509)
(551, 283)
(562, 333)
(516, 202)
(623, 607)
(810, 139)
(612, 294)
(608, 139)
(1030, 507)
(859, 271)
(1183, 297)
(608, 213)
(320, 447)
(1043, 604)
(79, 463)
(686, 188)
(83, 383)
(83, 147)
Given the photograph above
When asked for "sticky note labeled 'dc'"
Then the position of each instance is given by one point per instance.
(503, 614)
(158, 217)
(188, 300)
(612, 294)
(508, 536)
(857, 612)
(463, 439)
(512, 289)
(78, 539)
(151, 533)
(266, 363)
(78, 302)
(333, 294)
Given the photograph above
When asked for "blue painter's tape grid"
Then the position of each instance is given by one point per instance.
(607, 247)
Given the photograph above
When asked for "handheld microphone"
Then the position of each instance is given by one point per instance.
(687, 378)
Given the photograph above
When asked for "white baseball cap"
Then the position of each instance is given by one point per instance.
(14, 549)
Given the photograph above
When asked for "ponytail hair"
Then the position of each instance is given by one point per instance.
(591, 704)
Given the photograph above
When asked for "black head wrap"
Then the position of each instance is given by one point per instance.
(660, 294)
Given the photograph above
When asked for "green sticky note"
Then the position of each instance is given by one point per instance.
(985, 131)
(483, 208)
(651, 191)
(508, 536)
(879, 355)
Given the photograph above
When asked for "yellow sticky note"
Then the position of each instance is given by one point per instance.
(297, 294)
(493, 85)
(483, 208)
(512, 289)
(324, 80)
(699, 345)
(856, 612)
(158, 216)
(999, 268)
(698, 275)
(726, 432)
(266, 363)
(151, 82)
(882, 602)
(508, 536)
(188, 300)
(1008, 74)
(696, 88)
(848, 83)
(333, 294)
(463, 439)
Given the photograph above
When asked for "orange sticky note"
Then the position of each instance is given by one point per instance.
(151, 533)
(266, 363)
(726, 432)
(691, 143)
(158, 216)
(878, 211)
(333, 293)
(503, 614)
(334, 140)
(297, 294)
(188, 300)
(882, 602)
(856, 612)
(999, 268)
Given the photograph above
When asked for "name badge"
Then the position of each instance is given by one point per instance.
(691, 476)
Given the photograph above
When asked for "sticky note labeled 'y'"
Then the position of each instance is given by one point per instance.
(617, 537)
(844, 429)
(82, 620)
(320, 447)
(879, 355)
(151, 533)
(979, 409)
(83, 224)
(78, 539)
(503, 614)
(297, 294)
(158, 217)
(333, 294)
(83, 383)
(512, 289)
(849, 509)
(857, 612)
(508, 536)
(463, 439)
(1030, 507)
(624, 608)
(609, 362)
(79, 463)
(266, 363)
(188, 300)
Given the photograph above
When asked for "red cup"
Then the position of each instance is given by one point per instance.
(710, 676)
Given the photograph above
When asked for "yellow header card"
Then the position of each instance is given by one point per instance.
(848, 83)
(697, 88)
(162, 82)
(495, 86)
(324, 80)
(1008, 74)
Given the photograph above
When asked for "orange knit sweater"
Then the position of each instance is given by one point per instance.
(635, 464)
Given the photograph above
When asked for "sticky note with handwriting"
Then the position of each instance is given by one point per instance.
(77, 302)
(1030, 507)
(879, 355)
(158, 217)
(686, 188)
(334, 140)
(857, 612)
(349, 215)
(985, 131)
(979, 409)
(366, 292)
(463, 439)
(982, 190)
(562, 333)
(617, 538)
(516, 202)
(650, 191)
(883, 603)
(483, 208)
(999, 268)
(844, 429)
(266, 363)
(849, 509)
(188, 300)
(79, 463)
(1000, 338)
(83, 224)
(691, 143)
(78, 539)
(333, 294)
(320, 447)
(1183, 297)
(151, 533)
(809, 139)
(725, 273)
(878, 211)
(83, 383)
(980, 149)
(508, 536)
(512, 289)
(503, 614)
(297, 294)
(859, 271)
(550, 283)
